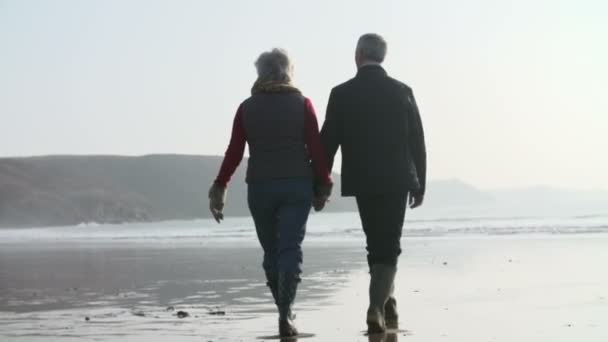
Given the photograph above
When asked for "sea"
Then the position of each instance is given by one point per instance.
(332, 228)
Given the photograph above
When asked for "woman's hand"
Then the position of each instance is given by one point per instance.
(217, 199)
(318, 203)
(322, 193)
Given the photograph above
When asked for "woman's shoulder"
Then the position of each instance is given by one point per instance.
(262, 97)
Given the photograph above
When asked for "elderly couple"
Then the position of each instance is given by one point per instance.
(375, 121)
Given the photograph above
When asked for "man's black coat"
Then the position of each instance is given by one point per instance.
(375, 120)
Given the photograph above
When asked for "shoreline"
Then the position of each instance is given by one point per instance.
(323, 229)
(462, 217)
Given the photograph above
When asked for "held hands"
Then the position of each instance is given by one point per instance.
(322, 193)
(318, 203)
(415, 200)
(217, 199)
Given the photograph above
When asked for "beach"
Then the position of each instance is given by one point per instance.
(451, 287)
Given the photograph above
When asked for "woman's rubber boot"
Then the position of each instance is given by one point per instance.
(382, 277)
(288, 286)
(272, 281)
(391, 316)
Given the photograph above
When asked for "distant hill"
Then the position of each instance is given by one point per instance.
(453, 198)
(68, 190)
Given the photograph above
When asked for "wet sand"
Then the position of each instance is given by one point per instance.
(524, 288)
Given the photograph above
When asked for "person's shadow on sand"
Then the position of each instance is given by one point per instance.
(384, 337)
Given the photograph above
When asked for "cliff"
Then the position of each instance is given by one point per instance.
(68, 190)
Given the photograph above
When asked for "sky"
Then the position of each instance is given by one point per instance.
(511, 93)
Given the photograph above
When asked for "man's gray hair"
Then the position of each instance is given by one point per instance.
(372, 47)
(274, 66)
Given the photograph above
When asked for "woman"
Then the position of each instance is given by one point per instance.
(286, 168)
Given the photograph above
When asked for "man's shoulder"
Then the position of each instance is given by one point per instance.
(342, 87)
(354, 85)
(388, 79)
(398, 84)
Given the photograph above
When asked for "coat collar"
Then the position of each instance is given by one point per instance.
(371, 69)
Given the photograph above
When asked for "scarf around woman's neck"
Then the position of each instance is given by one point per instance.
(273, 87)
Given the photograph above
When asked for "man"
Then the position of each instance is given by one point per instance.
(375, 121)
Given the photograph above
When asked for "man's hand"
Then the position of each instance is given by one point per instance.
(415, 200)
(319, 202)
(217, 198)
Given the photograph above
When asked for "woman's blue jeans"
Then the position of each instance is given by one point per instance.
(280, 210)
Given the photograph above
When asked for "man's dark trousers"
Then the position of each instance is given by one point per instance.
(382, 218)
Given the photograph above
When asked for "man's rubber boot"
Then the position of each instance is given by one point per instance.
(391, 316)
(382, 277)
(272, 281)
(288, 286)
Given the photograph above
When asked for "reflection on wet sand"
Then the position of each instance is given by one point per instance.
(183, 292)
(135, 294)
(385, 337)
(301, 337)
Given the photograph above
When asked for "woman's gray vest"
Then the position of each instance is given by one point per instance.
(274, 126)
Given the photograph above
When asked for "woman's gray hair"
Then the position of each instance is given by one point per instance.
(274, 66)
(372, 47)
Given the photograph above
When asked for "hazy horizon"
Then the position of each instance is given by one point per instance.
(452, 181)
(511, 93)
